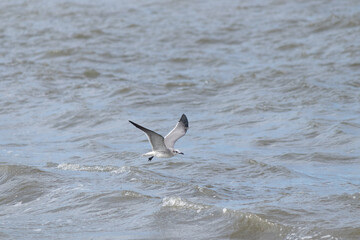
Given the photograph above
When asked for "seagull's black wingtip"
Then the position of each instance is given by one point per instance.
(184, 120)
(135, 124)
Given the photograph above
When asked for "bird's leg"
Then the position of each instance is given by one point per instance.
(150, 158)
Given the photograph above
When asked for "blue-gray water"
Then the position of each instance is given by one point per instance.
(271, 89)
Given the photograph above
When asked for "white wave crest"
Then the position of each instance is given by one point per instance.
(182, 203)
(78, 167)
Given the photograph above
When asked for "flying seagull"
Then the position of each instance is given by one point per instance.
(163, 147)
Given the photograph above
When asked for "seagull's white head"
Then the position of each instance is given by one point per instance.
(177, 151)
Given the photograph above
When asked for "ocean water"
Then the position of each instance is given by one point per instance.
(271, 89)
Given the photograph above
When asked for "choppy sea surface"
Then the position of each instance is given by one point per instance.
(271, 89)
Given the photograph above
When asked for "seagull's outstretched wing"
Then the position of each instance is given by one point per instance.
(178, 131)
(156, 140)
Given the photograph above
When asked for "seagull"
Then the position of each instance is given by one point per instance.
(163, 147)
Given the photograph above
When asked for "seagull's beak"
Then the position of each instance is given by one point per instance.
(181, 153)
